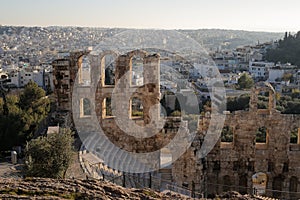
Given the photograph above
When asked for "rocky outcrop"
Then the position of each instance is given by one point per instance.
(40, 188)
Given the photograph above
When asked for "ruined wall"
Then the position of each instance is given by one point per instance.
(64, 74)
(98, 92)
(230, 166)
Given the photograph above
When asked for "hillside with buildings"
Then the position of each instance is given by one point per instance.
(255, 152)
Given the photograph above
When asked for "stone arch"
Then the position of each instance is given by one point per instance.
(259, 183)
(277, 186)
(136, 67)
(140, 53)
(226, 183)
(261, 135)
(293, 187)
(136, 107)
(137, 71)
(263, 87)
(106, 107)
(84, 71)
(243, 184)
(108, 60)
(85, 107)
(294, 135)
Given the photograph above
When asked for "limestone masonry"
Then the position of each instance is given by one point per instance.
(229, 166)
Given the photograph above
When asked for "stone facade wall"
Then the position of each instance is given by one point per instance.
(98, 92)
(229, 166)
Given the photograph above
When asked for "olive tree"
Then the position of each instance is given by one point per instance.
(49, 156)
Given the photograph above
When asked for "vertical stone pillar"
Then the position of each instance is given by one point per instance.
(151, 86)
(123, 66)
(253, 100)
(272, 100)
(102, 71)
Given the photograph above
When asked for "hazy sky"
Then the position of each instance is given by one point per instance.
(258, 15)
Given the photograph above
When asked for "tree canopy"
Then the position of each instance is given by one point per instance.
(288, 50)
(49, 156)
(285, 104)
(245, 81)
(238, 103)
(25, 112)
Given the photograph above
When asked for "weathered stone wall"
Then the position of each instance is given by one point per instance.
(97, 92)
(64, 72)
(229, 166)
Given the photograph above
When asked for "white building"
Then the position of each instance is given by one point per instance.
(137, 79)
(21, 77)
(260, 69)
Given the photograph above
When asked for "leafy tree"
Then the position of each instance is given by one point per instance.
(292, 107)
(11, 131)
(35, 107)
(245, 81)
(238, 103)
(11, 125)
(24, 115)
(31, 96)
(49, 156)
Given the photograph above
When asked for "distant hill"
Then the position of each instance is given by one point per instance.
(211, 39)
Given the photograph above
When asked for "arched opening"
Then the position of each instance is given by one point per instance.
(137, 110)
(243, 184)
(293, 187)
(294, 135)
(261, 135)
(85, 71)
(227, 134)
(107, 108)
(137, 71)
(263, 100)
(109, 69)
(226, 183)
(277, 186)
(259, 183)
(85, 107)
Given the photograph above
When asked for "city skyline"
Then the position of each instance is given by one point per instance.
(256, 15)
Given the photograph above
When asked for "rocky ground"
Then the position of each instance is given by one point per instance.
(39, 188)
